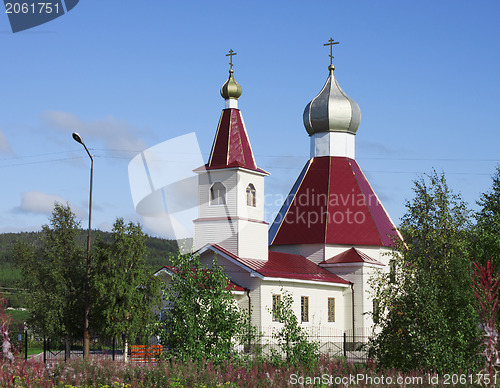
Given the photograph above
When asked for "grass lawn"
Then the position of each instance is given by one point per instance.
(18, 316)
(34, 349)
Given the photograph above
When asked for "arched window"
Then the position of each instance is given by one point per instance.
(392, 271)
(218, 194)
(251, 195)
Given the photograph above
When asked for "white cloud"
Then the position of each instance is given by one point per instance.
(18, 229)
(158, 227)
(37, 202)
(117, 134)
(4, 145)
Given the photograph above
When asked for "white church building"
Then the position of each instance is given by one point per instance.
(330, 235)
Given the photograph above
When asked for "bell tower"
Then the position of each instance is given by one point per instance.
(231, 186)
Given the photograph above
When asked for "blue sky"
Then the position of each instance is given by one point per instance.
(129, 74)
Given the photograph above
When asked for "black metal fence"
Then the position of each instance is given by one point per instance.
(352, 345)
(49, 350)
(349, 344)
(56, 350)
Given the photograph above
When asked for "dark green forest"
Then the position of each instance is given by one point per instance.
(159, 253)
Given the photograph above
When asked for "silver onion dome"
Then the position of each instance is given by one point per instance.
(332, 110)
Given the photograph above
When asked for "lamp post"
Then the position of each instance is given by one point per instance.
(86, 333)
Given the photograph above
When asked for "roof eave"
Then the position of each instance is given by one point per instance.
(358, 264)
(303, 281)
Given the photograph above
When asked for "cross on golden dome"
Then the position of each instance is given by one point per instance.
(231, 90)
(230, 55)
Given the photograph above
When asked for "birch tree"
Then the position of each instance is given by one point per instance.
(54, 276)
(124, 293)
(201, 320)
(427, 317)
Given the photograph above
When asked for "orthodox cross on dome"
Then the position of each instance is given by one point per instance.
(330, 43)
(230, 55)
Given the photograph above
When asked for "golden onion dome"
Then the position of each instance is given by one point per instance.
(231, 89)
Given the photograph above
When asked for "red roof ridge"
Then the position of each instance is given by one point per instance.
(284, 265)
(332, 202)
(351, 255)
(232, 286)
(207, 167)
(395, 229)
(231, 147)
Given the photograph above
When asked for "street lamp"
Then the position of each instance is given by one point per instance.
(86, 333)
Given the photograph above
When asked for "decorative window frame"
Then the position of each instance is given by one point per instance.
(304, 309)
(392, 271)
(251, 195)
(331, 309)
(275, 308)
(215, 201)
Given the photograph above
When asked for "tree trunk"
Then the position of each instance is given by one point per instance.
(67, 350)
(125, 350)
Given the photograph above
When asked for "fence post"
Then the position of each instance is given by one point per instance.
(25, 344)
(44, 350)
(114, 348)
(345, 344)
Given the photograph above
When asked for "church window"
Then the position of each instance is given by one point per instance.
(392, 271)
(218, 194)
(251, 195)
(276, 307)
(304, 308)
(331, 309)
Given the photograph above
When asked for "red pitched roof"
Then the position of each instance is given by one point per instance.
(231, 146)
(231, 286)
(352, 255)
(332, 203)
(286, 265)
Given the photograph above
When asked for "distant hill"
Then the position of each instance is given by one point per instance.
(159, 250)
(159, 253)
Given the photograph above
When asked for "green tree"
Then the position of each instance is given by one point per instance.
(427, 317)
(54, 277)
(124, 293)
(201, 319)
(487, 235)
(293, 341)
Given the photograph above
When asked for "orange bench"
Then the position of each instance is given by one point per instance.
(145, 353)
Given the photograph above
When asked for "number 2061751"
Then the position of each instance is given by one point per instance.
(33, 8)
